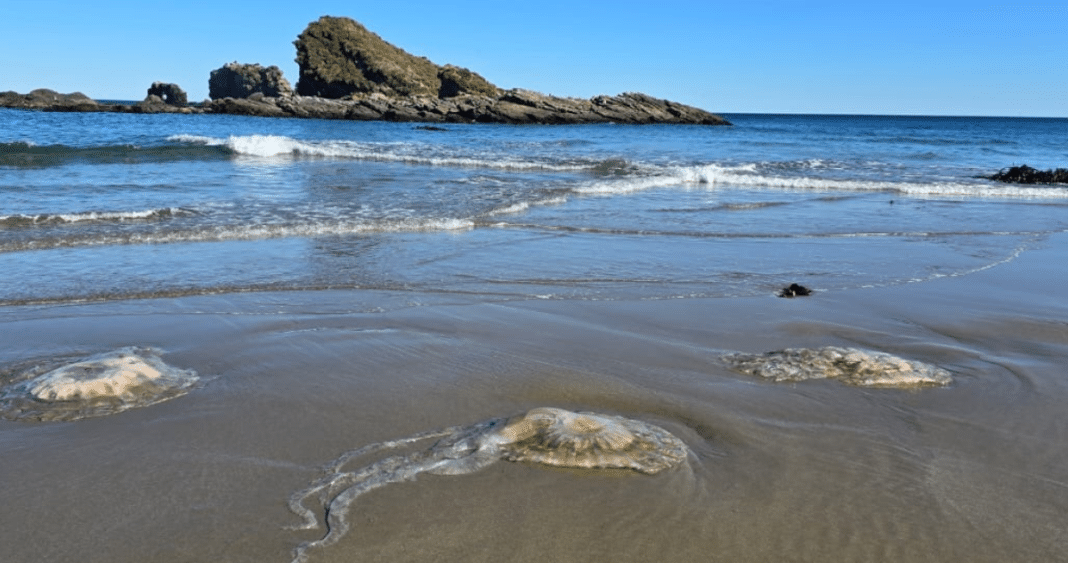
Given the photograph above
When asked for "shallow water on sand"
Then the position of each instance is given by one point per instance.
(810, 471)
(113, 206)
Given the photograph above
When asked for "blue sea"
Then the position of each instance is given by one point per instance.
(227, 338)
(112, 206)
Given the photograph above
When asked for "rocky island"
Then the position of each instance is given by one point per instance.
(348, 72)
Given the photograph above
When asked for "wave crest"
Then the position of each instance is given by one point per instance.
(22, 220)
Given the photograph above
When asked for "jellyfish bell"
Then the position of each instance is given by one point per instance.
(586, 440)
(103, 384)
(561, 429)
(116, 375)
(850, 365)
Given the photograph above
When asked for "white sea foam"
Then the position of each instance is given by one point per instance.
(117, 215)
(90, 216)
(747, 175)
(984, 191)
(628, 184)
(640, 178)
(254, 232)
(333, 228)
(717, 174)
(522, 206)
(270, 146)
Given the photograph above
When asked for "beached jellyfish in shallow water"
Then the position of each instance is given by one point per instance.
(548, 436)
(849, 365)
(98, 385)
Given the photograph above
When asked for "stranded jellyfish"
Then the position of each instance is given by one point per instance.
(548, 436)
(103, 384)
(850, 365)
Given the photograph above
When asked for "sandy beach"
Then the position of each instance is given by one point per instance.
(547, 284)
(811, 471)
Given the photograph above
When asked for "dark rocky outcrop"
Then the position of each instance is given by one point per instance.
(339, 57)
(43, 98)
(348, 72)
(170, 94)
(513, 107)
(235, 80)
(1027, 175)
(257, 105)
(163, 97)
(48, 100)
(456, 81)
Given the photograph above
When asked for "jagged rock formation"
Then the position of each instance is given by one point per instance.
(43, 98)
(1027, 175)
(347, 72)
(162, 97)
(338, 57)
(457, 80)
(170, 94)
(235, 80)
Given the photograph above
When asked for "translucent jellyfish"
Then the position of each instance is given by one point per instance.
(103, 384)
(548, 436)
(850, 365)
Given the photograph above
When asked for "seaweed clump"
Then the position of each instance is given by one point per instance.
(1026, 175)
(795, 290)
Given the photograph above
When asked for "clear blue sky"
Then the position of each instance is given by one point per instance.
(905, 57)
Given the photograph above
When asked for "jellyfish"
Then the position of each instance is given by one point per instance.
(547, 436)
(849, 365)
(103, 384)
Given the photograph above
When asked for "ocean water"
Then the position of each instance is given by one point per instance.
(247, 339)
(107, 206)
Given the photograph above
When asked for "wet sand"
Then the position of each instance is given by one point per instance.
(809, 471)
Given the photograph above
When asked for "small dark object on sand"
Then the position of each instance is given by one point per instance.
(1027, 175)
(795, 290)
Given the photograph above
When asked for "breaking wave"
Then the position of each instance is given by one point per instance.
(270, 146)
(610, 175)
(716, 176)
(22, 220)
